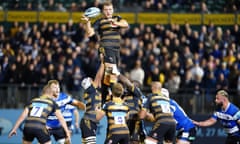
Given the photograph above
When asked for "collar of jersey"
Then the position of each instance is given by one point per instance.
(117, 100)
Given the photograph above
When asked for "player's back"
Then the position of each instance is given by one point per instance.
(39, 109)
(159, 105)
(116, 112)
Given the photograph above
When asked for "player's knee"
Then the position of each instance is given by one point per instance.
(148, 141)
(61, 141)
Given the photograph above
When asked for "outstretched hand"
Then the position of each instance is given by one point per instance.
(84, 19)
(12, 133)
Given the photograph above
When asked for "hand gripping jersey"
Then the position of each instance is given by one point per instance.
(159, 106)
(110, 36)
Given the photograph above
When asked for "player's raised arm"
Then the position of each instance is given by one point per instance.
(88, 27)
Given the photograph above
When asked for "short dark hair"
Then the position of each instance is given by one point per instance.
(117, 90)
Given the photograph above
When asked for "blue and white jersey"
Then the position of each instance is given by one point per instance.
(68, 112)
(62, 100)
(182, 120)
(227, 119)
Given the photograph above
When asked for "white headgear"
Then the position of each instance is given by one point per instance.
(165, 92)
(86, 83)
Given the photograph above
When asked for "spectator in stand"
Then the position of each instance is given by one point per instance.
(197, 70)
(235, 33)
(137, 73)
(74, 82)
(12, 75)
(222, 69)
(50, 5)
(148, 6)
(43, 76)
(230, 58)
(40, 7)
(2, 76)
(83, 5)
(30, 75)
(173, 82)
(204, 8)
(222, 82)
(216, 52)
(8, 51)
(61, 74)
(74, 7)
(5, 64)
(60, 7)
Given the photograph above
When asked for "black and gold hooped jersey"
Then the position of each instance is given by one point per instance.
(116, 112)
(109, 34)
(92, 100)
(39, 109)
(133, 100)
(134, 106)
(159, 106)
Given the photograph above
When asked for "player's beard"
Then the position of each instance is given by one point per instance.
(218, 106)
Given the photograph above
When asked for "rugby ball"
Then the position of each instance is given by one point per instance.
(92, 12)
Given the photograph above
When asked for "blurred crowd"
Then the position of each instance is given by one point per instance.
(193, 6)
(180, 57)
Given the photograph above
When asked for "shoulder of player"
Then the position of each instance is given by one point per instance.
(157, 96)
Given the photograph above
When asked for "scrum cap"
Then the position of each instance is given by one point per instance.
(165, 92)
(86, 83)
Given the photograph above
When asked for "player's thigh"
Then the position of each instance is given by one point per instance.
(111, 56)
(88, 128)
(58, 133)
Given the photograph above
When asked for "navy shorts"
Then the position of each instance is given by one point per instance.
(88, 128)
(111, 55)
(163, 131)
(189, 135)
(58, 133)
(41, 134)
(118, 139)
(134, 129)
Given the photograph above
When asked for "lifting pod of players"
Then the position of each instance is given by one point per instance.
(107, 27)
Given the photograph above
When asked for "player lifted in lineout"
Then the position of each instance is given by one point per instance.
(107, 27)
